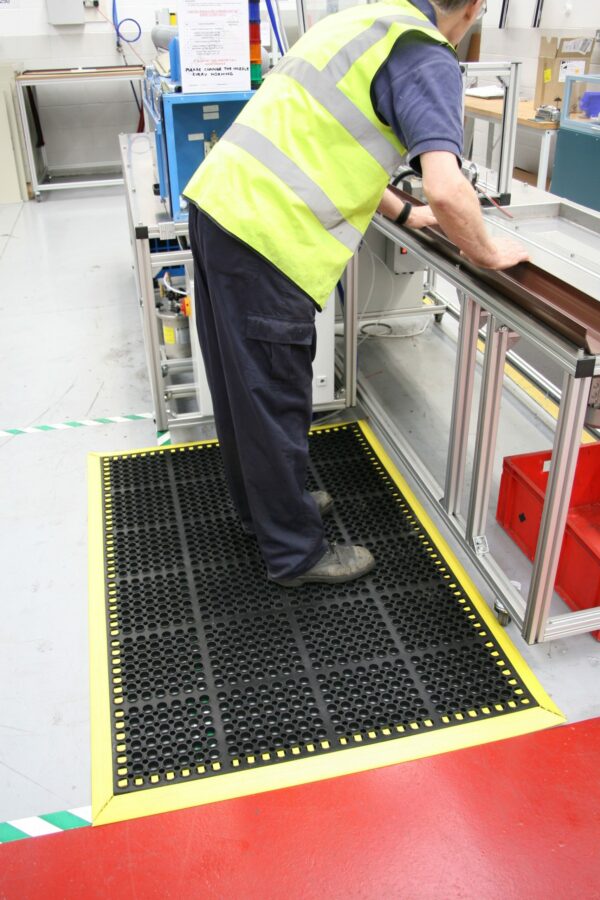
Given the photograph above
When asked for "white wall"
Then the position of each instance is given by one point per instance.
(519, 42)
(78, 131)
(80, 125)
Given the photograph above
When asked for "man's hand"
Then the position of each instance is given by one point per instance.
(506, 254)
(421, 217)
(457, 209)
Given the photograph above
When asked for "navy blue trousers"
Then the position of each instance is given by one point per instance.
(257, 335)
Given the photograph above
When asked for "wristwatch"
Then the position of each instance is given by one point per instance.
(403, 215)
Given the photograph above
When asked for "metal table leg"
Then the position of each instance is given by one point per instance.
(144, 268)
(489, 153)
(469, 135)
(545, 158)
(461, 404)
(351, 331)
(487, 430)
(565, 453)
(27, 137)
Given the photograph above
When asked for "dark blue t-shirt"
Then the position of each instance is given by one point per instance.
(418, 92)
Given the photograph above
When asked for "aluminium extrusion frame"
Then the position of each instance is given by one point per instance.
(146, 223)
(504, 318)
(67, 76)
(508, 74)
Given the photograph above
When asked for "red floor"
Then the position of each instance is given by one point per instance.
(515, 819)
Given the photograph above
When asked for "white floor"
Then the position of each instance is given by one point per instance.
(72, 350)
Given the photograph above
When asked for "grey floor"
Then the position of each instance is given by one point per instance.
(72, 350)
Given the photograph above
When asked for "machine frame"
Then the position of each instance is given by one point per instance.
(149, 220)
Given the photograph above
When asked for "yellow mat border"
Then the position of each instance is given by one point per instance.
(107, 807)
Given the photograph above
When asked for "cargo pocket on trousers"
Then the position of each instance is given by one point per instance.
(280, 349)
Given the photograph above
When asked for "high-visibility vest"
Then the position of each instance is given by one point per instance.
(302, 170)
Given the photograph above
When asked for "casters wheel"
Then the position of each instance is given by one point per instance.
(502, 614)
(438, 317)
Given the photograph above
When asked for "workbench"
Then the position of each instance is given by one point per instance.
(491, 111)
(26, 84)
(150, 225)
(569, 254)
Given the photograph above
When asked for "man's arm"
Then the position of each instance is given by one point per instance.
(456, 207)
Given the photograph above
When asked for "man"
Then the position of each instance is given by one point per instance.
(278, 208)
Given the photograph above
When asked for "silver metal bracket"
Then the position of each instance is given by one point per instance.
(481, 545)
(502, 613)
(513, 338)
(592, 416)
(166, 231)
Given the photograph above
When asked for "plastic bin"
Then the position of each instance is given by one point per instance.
(590, 104)
(520, 503)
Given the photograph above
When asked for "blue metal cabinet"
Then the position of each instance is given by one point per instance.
(186, 127)
(192, 123)
(577, 162)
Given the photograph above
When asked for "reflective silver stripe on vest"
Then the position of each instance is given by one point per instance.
(265, 151)
(343, 110)
(340, 64)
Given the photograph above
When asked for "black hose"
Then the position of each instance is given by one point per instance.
(39, 134)
(138, 103)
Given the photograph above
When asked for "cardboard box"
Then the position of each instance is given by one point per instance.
(560, 57)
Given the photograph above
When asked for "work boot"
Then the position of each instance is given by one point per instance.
(339, 564)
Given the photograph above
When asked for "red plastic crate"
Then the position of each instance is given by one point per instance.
(520, 503)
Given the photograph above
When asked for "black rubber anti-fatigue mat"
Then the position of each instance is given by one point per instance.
(213, 669)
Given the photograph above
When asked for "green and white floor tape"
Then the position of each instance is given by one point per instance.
(74, 423)
(52, 823)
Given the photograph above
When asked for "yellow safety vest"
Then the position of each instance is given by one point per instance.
(301, 172)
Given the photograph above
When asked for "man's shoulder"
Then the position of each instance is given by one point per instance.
(415, 48)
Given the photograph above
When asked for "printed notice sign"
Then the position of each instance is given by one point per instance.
(571, 67)
(215, 45)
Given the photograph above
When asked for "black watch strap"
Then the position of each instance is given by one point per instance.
(405, 212)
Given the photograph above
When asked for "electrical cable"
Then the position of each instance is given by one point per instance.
(372, 284)
(282, 33)
(170, 287)
(141, 118)
(488, 197)
(378, 323)
(130, 42)
(320, 420)
(137, 102)
(117, 25)
(405, 172)
(274, 26)
(39, 134)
